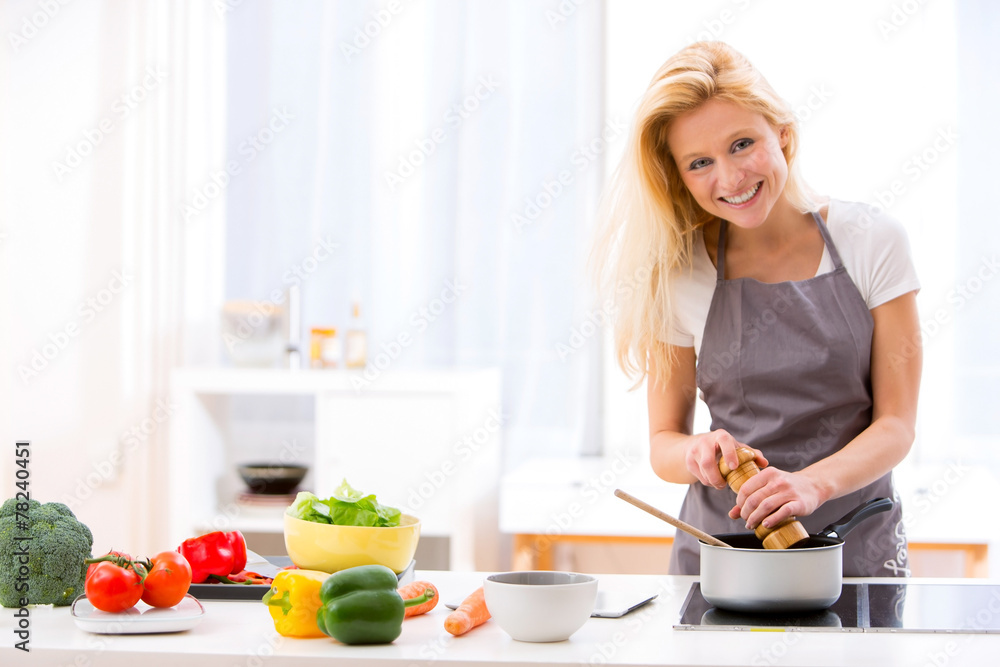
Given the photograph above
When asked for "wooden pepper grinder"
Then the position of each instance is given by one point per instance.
(786, 533)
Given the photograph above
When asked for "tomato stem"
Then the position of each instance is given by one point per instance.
(110, 558)
(141, 568)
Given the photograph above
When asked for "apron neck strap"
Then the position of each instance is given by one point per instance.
(720, 253)
(825, 233)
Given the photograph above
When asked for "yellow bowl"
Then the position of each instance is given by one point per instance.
(330, 548)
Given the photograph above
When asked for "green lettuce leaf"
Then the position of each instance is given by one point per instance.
(308, 507)
(346, 507)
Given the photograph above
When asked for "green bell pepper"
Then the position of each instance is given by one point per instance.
(360, 605)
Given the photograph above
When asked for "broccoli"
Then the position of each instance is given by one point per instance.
(55, 554)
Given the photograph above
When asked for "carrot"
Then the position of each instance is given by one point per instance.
(470, 613)
(415, 590)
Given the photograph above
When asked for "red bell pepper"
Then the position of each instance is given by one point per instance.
(209, 554)
(215, 553)
(239, 545)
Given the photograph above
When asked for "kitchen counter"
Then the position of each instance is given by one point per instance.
(548, 501)
(241, 633)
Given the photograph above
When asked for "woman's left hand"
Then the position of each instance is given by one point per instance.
(773, 495)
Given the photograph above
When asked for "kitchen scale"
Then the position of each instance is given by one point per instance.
(902, 607)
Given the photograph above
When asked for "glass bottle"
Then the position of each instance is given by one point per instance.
(356, 341)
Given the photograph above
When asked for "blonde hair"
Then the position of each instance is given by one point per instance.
(649, 218)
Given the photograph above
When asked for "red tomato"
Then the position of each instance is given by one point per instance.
(93, 566)
(113, 588)
(168, 581)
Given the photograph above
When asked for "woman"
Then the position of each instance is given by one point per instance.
(789, 312)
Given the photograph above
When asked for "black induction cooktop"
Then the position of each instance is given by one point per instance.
(902, 607)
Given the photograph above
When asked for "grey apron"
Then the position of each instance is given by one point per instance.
(785, 368)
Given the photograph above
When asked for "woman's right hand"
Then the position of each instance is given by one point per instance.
(701, 457)
(677, 454)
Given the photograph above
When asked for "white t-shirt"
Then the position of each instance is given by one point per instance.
(872, 245)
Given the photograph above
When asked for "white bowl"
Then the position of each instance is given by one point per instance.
(540, 606)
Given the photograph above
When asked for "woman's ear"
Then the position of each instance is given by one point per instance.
(783, 136)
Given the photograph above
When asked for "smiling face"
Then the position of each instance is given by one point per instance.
(730, 159)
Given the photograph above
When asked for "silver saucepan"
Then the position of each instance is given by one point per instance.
(808, 576)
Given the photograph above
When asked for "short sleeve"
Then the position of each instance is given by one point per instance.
(683, 287)
(878, 254)
(691, 296)
(679, 337)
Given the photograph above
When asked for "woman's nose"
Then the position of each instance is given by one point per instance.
(730, 175)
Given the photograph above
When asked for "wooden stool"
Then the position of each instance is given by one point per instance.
(786, 533)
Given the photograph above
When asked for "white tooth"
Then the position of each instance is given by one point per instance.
(744, 197)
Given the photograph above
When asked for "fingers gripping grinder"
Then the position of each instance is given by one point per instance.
(786, 533)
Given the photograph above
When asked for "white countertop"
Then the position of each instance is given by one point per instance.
(241, 633)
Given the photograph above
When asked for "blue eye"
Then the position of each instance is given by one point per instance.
(740, 144)
(699, 163)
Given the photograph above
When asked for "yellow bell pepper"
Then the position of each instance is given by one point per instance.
(293, 601)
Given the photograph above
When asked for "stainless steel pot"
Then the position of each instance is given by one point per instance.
(808, 576)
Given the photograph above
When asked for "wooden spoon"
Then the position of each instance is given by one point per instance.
(676, 523)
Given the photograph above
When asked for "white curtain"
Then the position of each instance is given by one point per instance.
(113, 114)
(427, 144)
(160, 157)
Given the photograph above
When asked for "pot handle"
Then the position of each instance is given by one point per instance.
(849, 522)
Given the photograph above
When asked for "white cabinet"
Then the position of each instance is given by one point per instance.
(427, 442)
